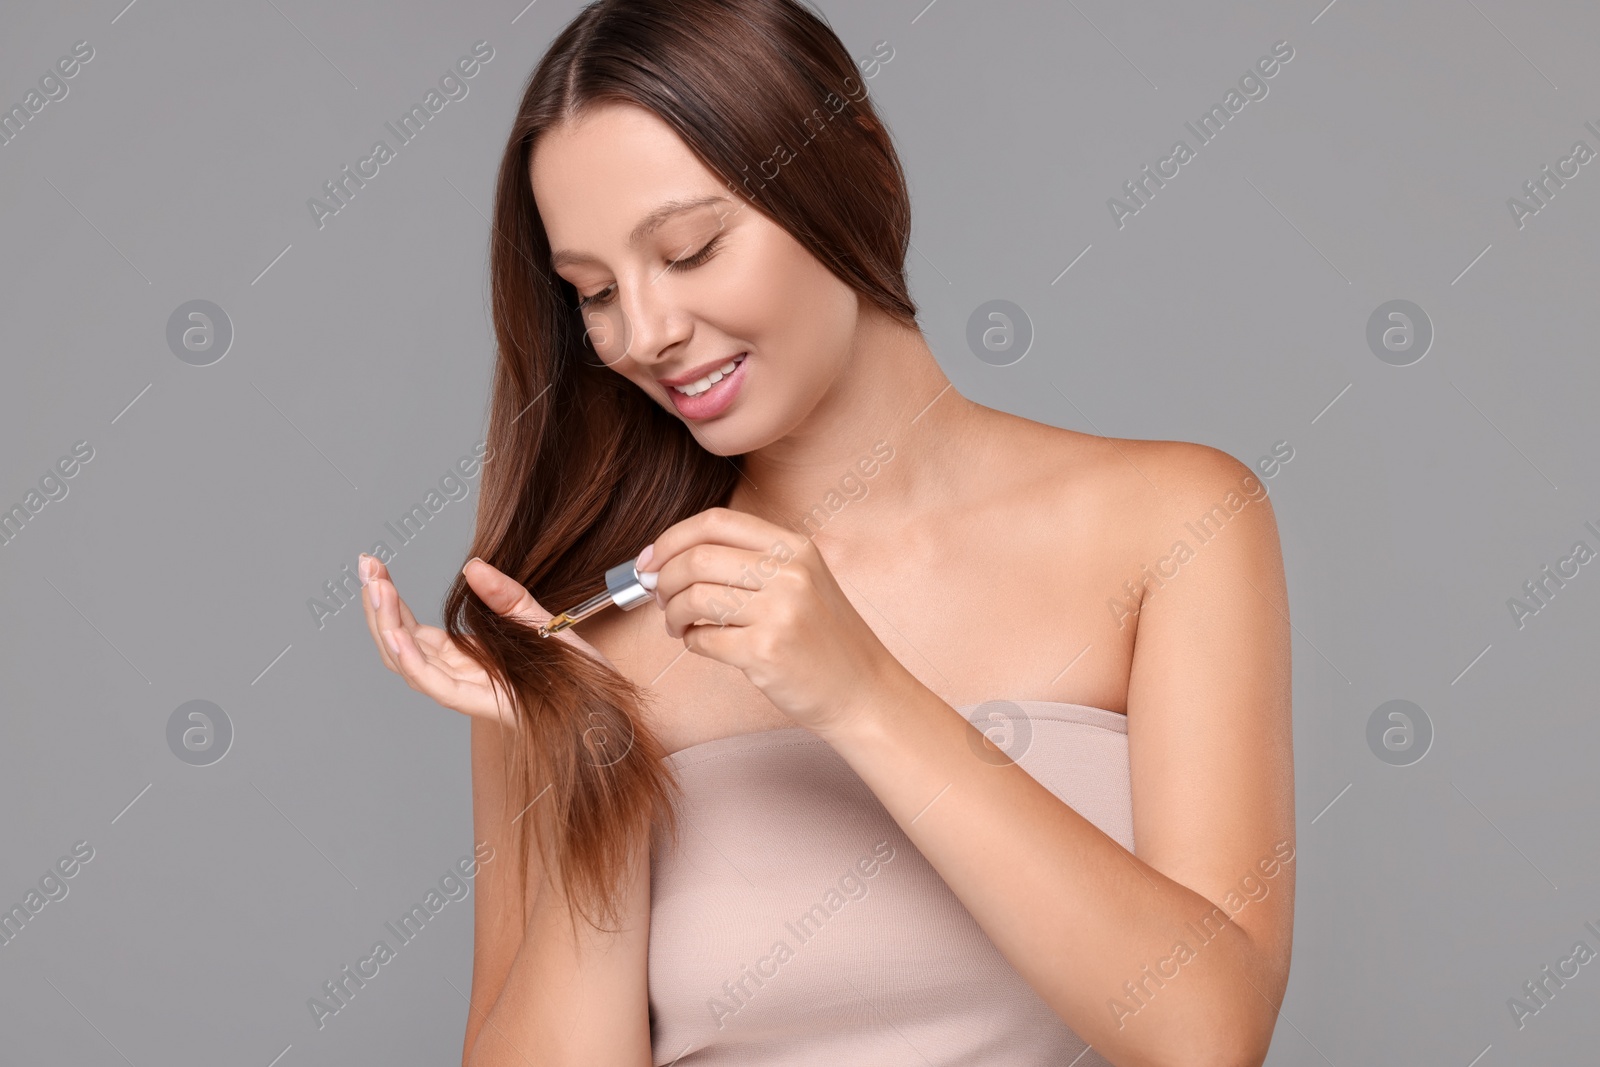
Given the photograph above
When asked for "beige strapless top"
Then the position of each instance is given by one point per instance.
(796, 924)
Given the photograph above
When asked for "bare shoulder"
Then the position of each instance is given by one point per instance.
(1200, 489)
(1185, 475)
(1134, 496)
(1168, 503)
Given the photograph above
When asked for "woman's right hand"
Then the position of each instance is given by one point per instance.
(426, 657)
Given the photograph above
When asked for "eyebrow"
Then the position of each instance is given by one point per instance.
(647, 225)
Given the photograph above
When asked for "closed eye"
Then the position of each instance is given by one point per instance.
(600, 299)
(690, 262)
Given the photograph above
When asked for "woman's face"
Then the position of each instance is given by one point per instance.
(677, 276)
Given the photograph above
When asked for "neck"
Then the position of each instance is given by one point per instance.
(828, 478)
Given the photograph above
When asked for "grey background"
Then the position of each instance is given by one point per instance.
(1231, 310)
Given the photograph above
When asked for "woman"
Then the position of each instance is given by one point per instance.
(765, 795)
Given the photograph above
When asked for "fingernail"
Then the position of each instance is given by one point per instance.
(364, 567)
(467, 564)
(643, 562)
(388, 639)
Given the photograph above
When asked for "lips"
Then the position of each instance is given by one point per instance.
(711, 401)
(697, 373)
(707, 377)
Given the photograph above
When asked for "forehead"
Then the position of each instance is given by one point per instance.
(594, 178)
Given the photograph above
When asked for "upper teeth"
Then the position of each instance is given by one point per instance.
(698, 387)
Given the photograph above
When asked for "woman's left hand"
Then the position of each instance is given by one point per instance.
(753, 595)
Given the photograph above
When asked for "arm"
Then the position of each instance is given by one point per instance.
(566, 1001)
(1084, 921)
(499, 912)
(600, 1004)
(539, 996)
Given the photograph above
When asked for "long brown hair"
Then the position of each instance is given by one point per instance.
(584, 468)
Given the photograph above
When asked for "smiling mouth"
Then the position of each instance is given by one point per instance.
(695, 388)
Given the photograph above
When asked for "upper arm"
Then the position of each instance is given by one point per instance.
(547, 988)
(1209, 718)
(499, 909)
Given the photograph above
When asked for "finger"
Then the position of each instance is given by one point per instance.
(386, 614)
(713, 642)
(381, 571)
(375, 569)
(508, 597)
(717, 564)
(370, 599)
(503, 594)
(712, 605)
(390, 611)
(721, 526)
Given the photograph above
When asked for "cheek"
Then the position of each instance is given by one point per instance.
(603, 334)
(790, 303)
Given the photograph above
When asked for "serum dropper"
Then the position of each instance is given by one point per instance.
(624, 589)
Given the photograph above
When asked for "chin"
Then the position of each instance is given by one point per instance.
(737, 433)
(725, 439)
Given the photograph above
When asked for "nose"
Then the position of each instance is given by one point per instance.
(653, 322)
